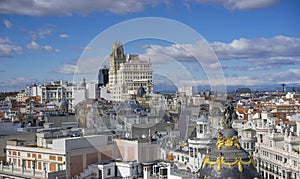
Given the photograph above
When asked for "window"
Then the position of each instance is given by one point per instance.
(34, 164)
(60, 167)
(45, 166)
(52, 157)
(15, 162)
(59, 158)
(108, 172)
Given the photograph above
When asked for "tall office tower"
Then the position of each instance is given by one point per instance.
(103, 76)
(127, 73)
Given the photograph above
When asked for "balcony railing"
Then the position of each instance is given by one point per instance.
(11, 170)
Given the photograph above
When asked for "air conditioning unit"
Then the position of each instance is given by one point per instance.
(163, 173)
(155, 170)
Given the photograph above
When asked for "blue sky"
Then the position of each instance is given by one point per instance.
(257, 42)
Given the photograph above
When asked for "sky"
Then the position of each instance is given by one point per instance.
(226, 42)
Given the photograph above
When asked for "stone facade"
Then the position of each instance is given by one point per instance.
(127, 73)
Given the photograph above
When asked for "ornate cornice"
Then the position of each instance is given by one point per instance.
(228, 142)
(221, 161)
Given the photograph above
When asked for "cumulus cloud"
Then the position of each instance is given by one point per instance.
(258, 48)
(199, 51)
(7, 49)
(259, 53)
(70, 7)
(291, 76)
(288, 77)
(41, 33)
(7, 23)
(64, 36)
(271, 63)
(241, 4)
(82, 66)
(67, 69)
(266, 54)
(35, 46)
(16, 84)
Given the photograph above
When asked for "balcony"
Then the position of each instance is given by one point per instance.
(292, 139)
(12, 171)
(276, 136)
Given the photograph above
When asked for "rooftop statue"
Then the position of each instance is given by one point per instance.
(228, 115)
(227, 159)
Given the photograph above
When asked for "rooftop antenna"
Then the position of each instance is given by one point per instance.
(283, 87)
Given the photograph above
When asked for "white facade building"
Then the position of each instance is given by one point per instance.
(198, 146)
(187, 90)
(55, 158)
(276, 153)
(127, 74)
(59, 91)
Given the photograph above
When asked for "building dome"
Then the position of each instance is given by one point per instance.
(227, 159)
(141, 91)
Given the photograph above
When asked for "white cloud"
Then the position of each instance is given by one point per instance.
(16, 84)
(198, 52)
(35, 46)
(7, 49)
(260, 53)
(64, 36)
(41, 33)
(258, 48)
(67, 69)
(69, 7)
(86, 48)
(241, 4)
(82, 66)
(267, 54)
(7, 23)
(291, 76)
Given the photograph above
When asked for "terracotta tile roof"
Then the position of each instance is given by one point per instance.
(256, 111)
(290, 123)
(242, 110)
(2, 114)
(280, 115)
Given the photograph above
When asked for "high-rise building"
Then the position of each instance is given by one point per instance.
(103, 76)
(127, 73)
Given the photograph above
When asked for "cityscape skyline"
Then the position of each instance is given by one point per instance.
(257, 42)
